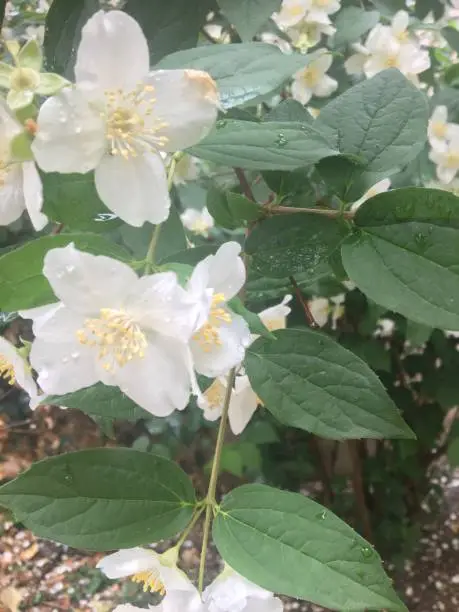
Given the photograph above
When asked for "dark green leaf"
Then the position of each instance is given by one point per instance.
(388, 8)
(289, 544)
(231, 210)
(101, 499)
(289, 110)
(452, 37)
(254, 322)
(287, 244)
(22, 284)
(72, 199)
(309, 381)
(100, 401)
(243, 72)
(381, 122)
(405, 255)
(351, 23)
(248, 16)
(264, 146)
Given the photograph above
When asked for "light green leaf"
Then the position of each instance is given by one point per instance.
(51, 84)
(248, 16)
(381, 122)
(101, 401)
(265, 146)
(72, 199)
(284, 245)
(243, 71)
(405, 254)
(102, 499)
(30, 56)
(351, 23)
(289, 544)
(22, 284)
(307, 380)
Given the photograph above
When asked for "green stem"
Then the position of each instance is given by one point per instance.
(150, 258)
(210, 498)
(288, 210)
(194, 520)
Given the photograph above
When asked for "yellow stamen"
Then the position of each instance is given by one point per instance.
(215, 394)
(151, 582)
(7, 371)
(209, 336)
(438, 129)
(391, 61)
(117, 336)
(131, 126)
(310, 76)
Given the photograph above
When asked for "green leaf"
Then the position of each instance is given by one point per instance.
(405, 254)
(289, 544)
(388, 8)
(169, 25)
(307, 380)
(248, 16)
(231, 210)
(72, 199)
(172, 238)
(254, 322)
(193, 256)
(452, 37)
(102, 499)
(453, 453)
(63, 33)
(264, 146)
(287, 244)
(22, 284)
(101, 401)
(243, 71)
(381, 122)
(289, 110)
(351, 23)
(260, 289)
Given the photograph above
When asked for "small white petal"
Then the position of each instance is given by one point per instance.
(275, 316)
(113, 52)
(71, 134)
(87, 282)
(187, 102)
(325, 87)
(33, 195)
(135, 189)
(128, 562)
(12, 203)
(243, 403)
(223, 272)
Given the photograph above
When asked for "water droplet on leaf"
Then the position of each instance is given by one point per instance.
(281, 141)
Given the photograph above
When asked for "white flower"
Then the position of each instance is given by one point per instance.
(313, 80)
(120, 117)
(306, 20)
(15, 369)
(231, 592)
(321, 309)
(440, 132)
(222, 336)
(377, 188)
(274, 39)
(198, 221)
(157, 573)
(244, 401)
(309, 32)
(447, 160)
(399, 27)
(114, 327)
(291, 13)
(20, 184)
(319, 8)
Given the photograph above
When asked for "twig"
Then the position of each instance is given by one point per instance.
(304, 303)
(244, 183)
(359, 489)
(57, 229)
(325, 212)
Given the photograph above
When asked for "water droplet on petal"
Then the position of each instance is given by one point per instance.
(75, 355)
(65, 359)
(69, 269)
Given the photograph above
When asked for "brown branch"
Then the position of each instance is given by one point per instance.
(57, 229)
(359, 489)
(304, 303)
(325, 212)
(244, 183)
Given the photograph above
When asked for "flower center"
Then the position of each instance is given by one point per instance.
(151, 582)
(391, 61)
(118, 338)
(215, 394)
(310, 77)
(24, 78)
(403, 36)
(131, 126)
(439, 129)
(7, 370)
(294, 11)
(209, 335)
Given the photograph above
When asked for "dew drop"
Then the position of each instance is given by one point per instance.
(65, 359)
(323, 515)
(68, 478)
(221, 123)
(367, 552)
(421, 241)
(75, 355)
(281, 141)
(69, 268)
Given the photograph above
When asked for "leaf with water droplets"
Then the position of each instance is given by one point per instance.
(282, 542)
(307, 380)
(405, 255)
(101, 499)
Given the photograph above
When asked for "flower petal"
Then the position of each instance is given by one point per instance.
(223, 272)
(87, 282)
(243, 403)
(22, 371)
(158, 302)
(71, 134)
(113, 52)
(160, 381)
(187, 101)
(128, 562)
(135, 189)
(51, 83)
(325, 87)
(12, 203)
(220, 358)
(63, 367)
(33, 195)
